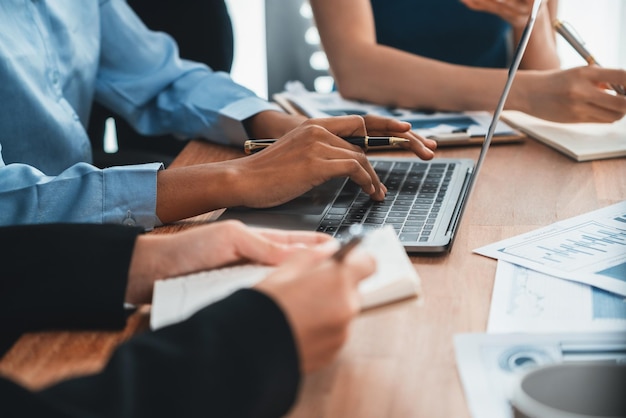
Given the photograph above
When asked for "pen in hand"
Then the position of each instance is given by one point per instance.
(366, 142)
(356, 236)
(579, 46)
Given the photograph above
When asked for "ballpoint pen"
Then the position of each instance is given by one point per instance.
(366, 142)
(356, 232)
(579, 46)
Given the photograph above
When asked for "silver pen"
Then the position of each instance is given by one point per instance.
(579, 46)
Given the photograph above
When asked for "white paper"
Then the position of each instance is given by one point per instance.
(580, 141)
(524, 300)
(491, 365)
(590, 249)
(176, 299)
(440, 125)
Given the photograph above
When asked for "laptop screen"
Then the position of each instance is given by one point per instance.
(517, 58)
(424, 202)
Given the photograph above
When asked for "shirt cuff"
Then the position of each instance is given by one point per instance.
(231, 117)
(130, 194)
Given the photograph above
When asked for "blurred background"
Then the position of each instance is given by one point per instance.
(276, 41)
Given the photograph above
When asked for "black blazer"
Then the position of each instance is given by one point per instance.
(234, 358)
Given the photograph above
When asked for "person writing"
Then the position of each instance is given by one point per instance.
(449, 55)
(242, 356)
(60, 57)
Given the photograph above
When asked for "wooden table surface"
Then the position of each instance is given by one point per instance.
(399, 359)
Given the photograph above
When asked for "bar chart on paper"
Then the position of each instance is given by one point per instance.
(576, 247)
(590, 248)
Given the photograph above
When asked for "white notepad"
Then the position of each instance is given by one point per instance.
(580, 141)
(176, 299)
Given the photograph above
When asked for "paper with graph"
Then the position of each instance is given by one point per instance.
(590, 248)
(525, 300)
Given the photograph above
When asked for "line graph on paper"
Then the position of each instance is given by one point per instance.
(574, 248)
(589, 248)
(524, 300)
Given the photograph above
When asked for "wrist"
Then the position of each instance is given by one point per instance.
(143, 270)
(521, 91)
(272, 124)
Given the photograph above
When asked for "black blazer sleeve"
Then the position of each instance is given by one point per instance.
(235, 358)
(63, 276)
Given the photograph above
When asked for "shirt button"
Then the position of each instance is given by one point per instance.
(129, 220)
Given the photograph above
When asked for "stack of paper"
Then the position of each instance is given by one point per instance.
(447, 128)
(559, 296)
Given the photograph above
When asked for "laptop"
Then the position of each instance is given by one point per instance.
(425, 199)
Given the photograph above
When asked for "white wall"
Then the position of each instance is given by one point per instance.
(600, 23)
(602, 26)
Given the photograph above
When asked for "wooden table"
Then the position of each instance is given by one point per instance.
(399, 360)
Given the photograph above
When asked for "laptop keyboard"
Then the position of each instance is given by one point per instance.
(414, 198)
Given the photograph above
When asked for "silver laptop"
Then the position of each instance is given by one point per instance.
(425, 199)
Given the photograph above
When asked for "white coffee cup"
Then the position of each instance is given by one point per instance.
(572, 390)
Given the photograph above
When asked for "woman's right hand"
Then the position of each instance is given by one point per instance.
(580, 94)
(319, 296)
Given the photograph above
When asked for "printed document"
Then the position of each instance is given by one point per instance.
(590, 249)
(525, 300)
(491, 365)
(447, 128)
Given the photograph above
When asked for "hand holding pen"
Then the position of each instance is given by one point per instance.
(366, 142)
(318, 291)
(563, 30)
(356, 235)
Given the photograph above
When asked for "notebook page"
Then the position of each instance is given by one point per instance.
(176, 299)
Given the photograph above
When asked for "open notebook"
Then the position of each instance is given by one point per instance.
(176, 299)
(580, 141)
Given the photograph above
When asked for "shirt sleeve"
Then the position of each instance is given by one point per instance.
(63, 276)
(143, 79)
(234, 358)
(80, 194)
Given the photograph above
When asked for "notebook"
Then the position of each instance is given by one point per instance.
(579, 141)
(176, 299)
(424, 204)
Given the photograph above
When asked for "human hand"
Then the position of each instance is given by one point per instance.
(515, 12)
(206, 247)
(312, 154)
(271, 124)
(578, 94)
(319, 297)
(382, 126)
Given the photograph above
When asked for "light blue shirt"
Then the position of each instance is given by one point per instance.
(56, 57)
